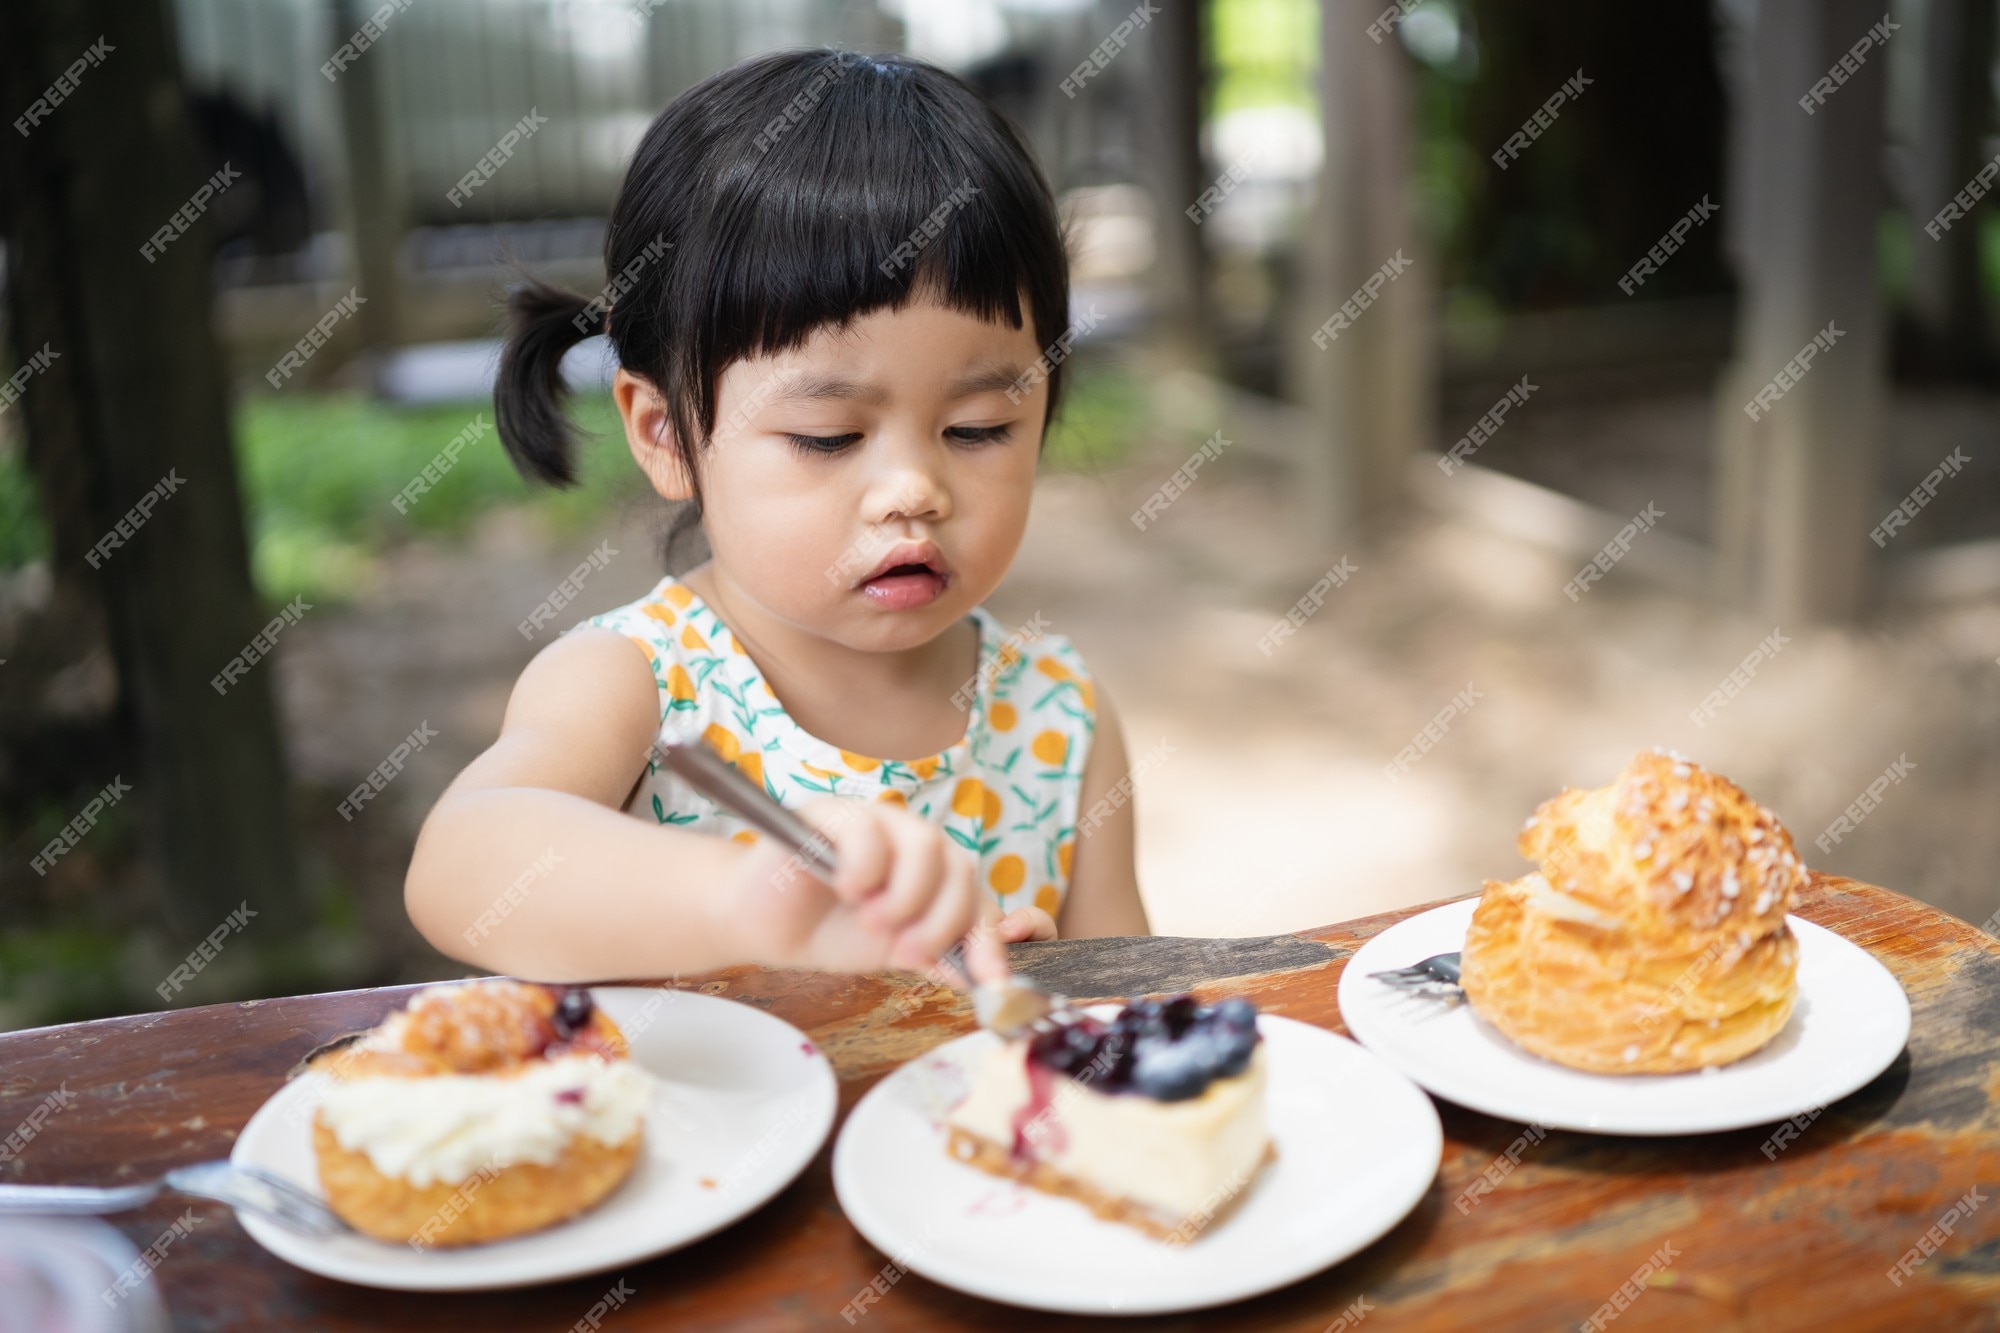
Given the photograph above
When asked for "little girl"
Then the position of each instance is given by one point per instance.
(836, 279)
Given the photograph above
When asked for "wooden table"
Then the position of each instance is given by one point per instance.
(1802, 1241)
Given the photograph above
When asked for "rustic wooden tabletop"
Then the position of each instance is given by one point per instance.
(1803, 1241)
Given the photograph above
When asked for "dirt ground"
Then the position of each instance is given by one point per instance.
(1271, 809)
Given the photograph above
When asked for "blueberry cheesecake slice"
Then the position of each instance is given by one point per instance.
(1153, 1117)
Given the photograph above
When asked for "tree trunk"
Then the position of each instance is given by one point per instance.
(1798, 458)
(1954, 112)
(374, 200)
(1173, 102)
(1371, 385)
(132, 402)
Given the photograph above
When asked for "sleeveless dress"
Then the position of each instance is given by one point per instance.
(1007, 791)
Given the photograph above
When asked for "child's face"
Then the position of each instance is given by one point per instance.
(909, 452)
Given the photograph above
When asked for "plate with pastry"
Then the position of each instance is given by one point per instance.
(1158, 1156)
(1647, 978)
(497, 1133)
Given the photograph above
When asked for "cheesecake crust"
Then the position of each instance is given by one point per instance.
(995, 1159)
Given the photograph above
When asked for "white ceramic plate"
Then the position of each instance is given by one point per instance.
(744, 1102)
(1850, 1023)
(1358, 1144)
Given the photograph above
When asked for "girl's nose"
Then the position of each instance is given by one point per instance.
(907, 483)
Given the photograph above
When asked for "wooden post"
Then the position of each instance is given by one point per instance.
(374, 203)
(1371, 384)
(1954, 112)
(1175, 99)
(1797, 475)
(132, 400)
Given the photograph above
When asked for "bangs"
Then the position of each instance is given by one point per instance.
(842, 185)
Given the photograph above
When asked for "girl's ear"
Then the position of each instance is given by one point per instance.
(649, 433)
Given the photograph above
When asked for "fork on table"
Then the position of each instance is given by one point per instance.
(1436, 977)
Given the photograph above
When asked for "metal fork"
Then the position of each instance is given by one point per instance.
(1016, 1002)
(1435, 976)
(719, 780)
(1017, 1006)
(249, 1188)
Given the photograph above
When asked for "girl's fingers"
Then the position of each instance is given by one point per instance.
(986, 953)
(859, 843)
(843, 942)
(1027, 923)
(916, 871)
(971, 960)
(952, 912)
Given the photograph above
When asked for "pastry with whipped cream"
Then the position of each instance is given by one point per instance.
(1153, 1117)
(1653, 938)
(480, 1111)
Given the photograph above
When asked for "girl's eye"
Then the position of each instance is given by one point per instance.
(979, 434)
(822, 444)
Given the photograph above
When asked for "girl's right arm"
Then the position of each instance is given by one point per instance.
(527, 865)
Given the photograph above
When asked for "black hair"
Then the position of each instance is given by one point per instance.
(788, 192)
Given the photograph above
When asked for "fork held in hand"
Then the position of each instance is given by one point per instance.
(1018, 1006)
(722, 782)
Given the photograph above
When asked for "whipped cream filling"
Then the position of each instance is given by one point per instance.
(1184, 1158)
(446, 1127)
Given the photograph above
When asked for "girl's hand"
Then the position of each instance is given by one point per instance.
(903, 896)
(1026, 923)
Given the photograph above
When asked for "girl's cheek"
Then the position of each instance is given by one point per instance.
(768, 513)
(801, 545)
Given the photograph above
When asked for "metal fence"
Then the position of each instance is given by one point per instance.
(354, 120)
(451, 76)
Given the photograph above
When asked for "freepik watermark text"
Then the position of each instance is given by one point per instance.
(1107, 50)
(1364, 296)
(135, 518)
(1302, 610)
(1545, 116)
(1178, 481)
(1486, 427)
(1663, 249)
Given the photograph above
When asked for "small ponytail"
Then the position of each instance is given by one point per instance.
(544, 322)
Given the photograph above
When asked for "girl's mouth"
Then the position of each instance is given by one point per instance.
(905, 587)
(910, 575)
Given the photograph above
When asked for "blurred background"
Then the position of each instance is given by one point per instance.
(249, 300)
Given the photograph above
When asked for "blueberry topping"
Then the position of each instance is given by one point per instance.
(1179, 1015)
(573, 1012)
(1169, 1049)
(1172, 1072)
(1236, 1013)
(1235, 1049)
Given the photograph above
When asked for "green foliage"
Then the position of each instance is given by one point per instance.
(1263, 53)
(1989, 255)
(23, 537)
(1102, 418)
(64, 969)
(1894, 253)
(320, 474)
(60, 973)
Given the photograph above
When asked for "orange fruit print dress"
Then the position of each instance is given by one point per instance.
(1007, 792)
